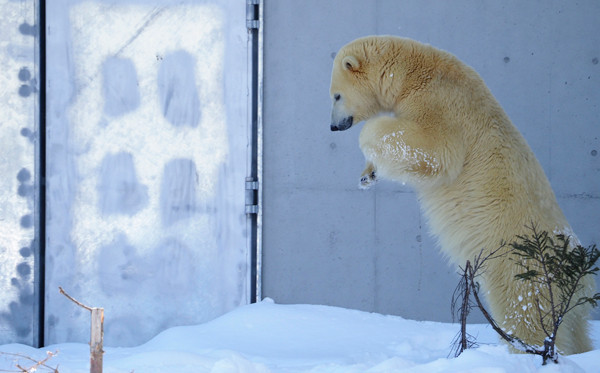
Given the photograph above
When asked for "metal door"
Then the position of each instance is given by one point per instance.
(146, 165)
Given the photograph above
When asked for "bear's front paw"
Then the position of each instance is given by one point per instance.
(367, 180)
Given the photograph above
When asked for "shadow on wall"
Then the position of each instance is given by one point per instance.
(19, 312)
(18, 316)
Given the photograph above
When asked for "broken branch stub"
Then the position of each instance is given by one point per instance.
(96, 333)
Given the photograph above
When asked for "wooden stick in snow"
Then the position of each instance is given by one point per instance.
(96, 335)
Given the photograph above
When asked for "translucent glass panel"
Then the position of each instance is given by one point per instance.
(146, 165)
(18, 130)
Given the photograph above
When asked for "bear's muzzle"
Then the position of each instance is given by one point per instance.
(342, 125)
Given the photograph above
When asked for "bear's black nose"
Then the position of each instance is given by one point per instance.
(343, 124)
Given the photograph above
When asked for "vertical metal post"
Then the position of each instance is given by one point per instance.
(41, 171)
(254, 25)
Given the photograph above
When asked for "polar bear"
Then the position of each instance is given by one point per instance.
(430, 121)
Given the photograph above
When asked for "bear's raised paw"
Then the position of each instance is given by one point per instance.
(367, 180)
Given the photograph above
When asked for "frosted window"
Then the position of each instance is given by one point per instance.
(146, 167)
(18, 106)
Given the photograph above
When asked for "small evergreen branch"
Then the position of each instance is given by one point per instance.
(552, 268)
(558, 270)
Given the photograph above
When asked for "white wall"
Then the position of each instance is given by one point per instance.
(327, 242)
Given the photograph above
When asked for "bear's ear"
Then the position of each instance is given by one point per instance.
(350, 63)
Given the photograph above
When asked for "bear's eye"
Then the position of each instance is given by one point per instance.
(337, 97)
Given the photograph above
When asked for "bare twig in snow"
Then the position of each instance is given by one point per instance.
(97, 333)
(35, 366)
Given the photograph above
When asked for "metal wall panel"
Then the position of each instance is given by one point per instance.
(146, 165)
(19, 105)
(327, 242)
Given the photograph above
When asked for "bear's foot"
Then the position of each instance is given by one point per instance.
(367, 180)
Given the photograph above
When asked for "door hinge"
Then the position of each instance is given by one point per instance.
(251, 195)
(252, 14)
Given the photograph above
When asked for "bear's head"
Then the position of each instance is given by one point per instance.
(351, 91)
(372, 75)
(355, 81)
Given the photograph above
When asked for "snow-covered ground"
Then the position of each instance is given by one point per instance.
(267, 337)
